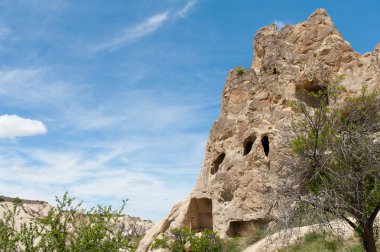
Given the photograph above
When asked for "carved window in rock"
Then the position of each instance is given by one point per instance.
(200, 214)
(238, 228)
(265, 144)
(217, 162)
(248, 144)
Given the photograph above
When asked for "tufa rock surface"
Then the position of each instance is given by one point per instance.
(242, 163)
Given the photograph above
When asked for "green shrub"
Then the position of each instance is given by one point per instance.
(233, 245)
(254, 235)
(67, 227)
(239, 71)
(8, 233)
(312, 236)
(180, 238)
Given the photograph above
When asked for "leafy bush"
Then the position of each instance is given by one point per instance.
(180, 239)
(239, 71)
(67, 227)
(234, 245)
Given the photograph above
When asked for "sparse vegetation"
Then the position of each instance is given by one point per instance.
(181, 239)
(320, 242)
(67, 227)
(239, 71)
(337, 160)
(234, 245)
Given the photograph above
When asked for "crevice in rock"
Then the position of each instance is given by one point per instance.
(218, 161)
(265, 144)
(248, 143)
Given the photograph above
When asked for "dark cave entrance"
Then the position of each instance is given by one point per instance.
(218, 161)
(265, 144)
(240, 228)
(248, 143)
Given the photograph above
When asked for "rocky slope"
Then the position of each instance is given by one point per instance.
(242, 163)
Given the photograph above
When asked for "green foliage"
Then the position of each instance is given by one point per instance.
(338, 157)
(253, 235)
(8, 232)
(239, 71)
(312, 236)
(233, 245)
(181, 238)
(67, 227)
(319, 242)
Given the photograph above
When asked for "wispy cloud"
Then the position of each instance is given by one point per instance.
(33, 87)
(103, 174)
(12, 126)
(279, 23)
(4, 31)
(138, 31)
(186, 9)
(132, 34)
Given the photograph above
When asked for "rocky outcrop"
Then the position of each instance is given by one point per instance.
(242, 163)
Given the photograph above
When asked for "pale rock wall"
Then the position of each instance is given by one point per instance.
(232, 187)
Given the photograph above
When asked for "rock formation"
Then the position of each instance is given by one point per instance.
(242, 163)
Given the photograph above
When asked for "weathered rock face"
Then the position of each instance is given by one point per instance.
(242, 163)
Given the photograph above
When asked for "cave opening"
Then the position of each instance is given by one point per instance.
(218, 161)
(265, 144)
(240, 228)
(248, 143)
(312, 95)
(200, 214)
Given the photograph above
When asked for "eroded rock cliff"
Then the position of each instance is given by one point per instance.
(242, 163)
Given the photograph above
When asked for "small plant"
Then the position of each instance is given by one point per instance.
(312, 236)
(234, 245)
(254, 235)
(239, 71)
(181, 239)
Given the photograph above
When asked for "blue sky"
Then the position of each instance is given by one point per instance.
(111, 100)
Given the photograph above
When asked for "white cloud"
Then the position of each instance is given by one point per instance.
(186, 9)
(12, 126)
(279, 23)
(134, 33)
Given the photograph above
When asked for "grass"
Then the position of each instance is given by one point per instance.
(249, 237)
(318, 242)
(234, 245)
